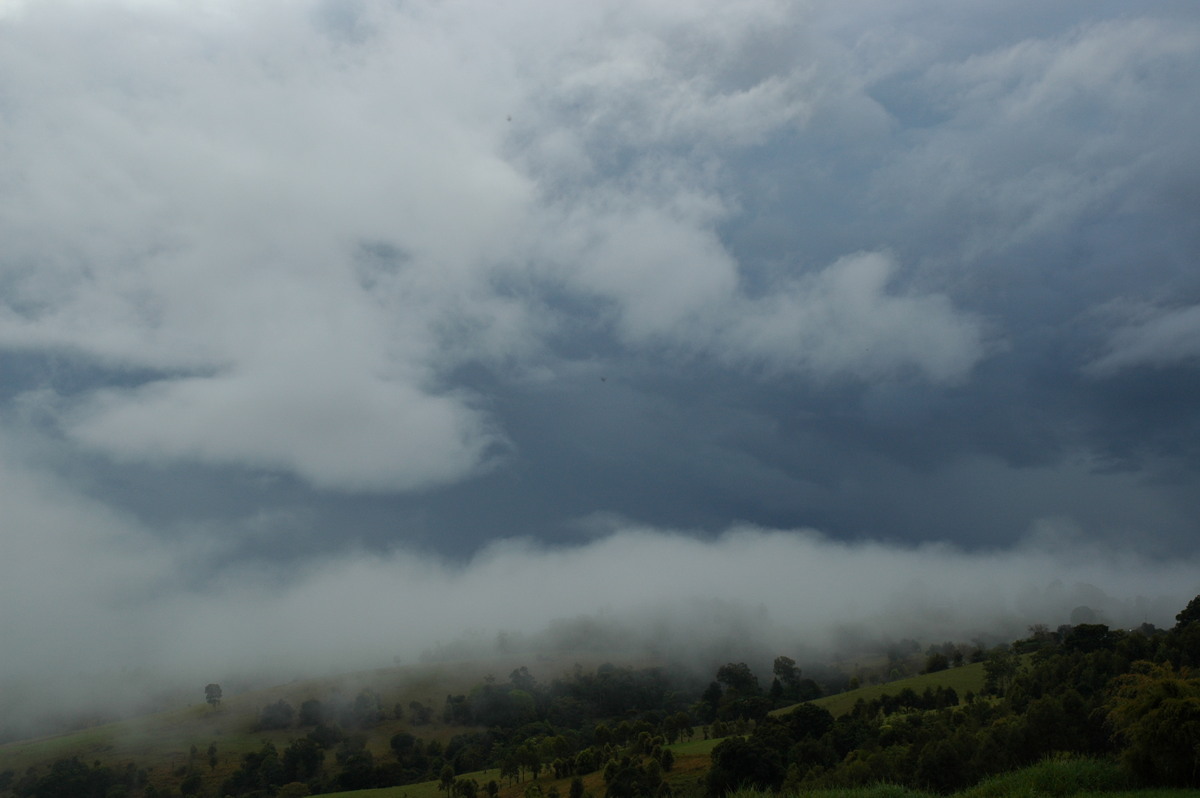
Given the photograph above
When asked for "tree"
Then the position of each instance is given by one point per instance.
(737, 677)
(1155, 711)
(312, 712)
(999, 669)
(191, 783)
(446, 780)
(738, 762)
(212, 694)
(326, 736)
(788, 675)
(936, 661)
(276, 716)
(302, 760)
(1189, 614)
(807, 720)
(367, 709)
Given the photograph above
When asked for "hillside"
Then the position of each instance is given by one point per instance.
(167, 744)
(963, 680)
(1125, 699)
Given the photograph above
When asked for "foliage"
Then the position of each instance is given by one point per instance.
(1188, 615)
(1155, 710)
(1039, 707)
(278, 715)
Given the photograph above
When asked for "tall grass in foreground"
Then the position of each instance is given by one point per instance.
(1056, 777)
(874, 791)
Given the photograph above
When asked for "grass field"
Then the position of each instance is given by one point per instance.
(965, 679)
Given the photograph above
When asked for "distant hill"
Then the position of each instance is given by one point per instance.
(166, 744)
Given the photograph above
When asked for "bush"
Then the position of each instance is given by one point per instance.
(1054, 776)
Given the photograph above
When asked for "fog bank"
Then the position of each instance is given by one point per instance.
(92, 599)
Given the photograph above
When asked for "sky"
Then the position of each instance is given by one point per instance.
(364, 326)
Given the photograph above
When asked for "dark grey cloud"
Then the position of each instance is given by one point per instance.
(312, 294)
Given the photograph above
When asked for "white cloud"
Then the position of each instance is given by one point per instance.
(843, 320)
(337, 431)
(192, 190)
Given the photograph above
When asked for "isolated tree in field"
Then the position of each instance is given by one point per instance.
(212, 694)
(446, 780)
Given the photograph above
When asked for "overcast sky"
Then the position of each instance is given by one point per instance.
(304, 302)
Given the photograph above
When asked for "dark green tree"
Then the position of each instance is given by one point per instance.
(738, 762)
(1189, 614)
(936, 661)
(302, 760)
(276, 716)
(1155, 711)
(446, 780)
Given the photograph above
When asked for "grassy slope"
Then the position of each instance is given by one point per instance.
(162, 742)
(968, 678)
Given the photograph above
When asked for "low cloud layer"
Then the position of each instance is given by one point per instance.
(92, 599)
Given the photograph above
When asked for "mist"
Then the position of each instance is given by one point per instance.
(101, 616)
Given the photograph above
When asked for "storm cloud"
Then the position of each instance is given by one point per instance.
(308, 306)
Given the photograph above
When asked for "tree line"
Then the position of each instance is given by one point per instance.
(1084, 690)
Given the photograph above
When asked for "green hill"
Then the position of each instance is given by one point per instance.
(964, 679)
